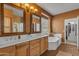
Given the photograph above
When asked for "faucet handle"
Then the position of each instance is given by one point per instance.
(19, 37)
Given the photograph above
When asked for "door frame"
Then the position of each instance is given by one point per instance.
(65, 41)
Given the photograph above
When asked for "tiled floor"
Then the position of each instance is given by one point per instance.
(63, 50)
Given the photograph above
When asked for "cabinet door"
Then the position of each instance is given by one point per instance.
(35, 47)
(35, 51)
(8, 51)
(44, 44)
(22, 49)
(12, 51)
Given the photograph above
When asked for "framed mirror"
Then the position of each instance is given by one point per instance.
(13, 19)
(35, 23)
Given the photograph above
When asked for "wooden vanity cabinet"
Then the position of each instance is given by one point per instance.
(44, 44)
(35, 47)
(22, 49)
(38, 46)
(30, 48)
(7, 51)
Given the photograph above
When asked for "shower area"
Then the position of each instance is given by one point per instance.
(71, 31)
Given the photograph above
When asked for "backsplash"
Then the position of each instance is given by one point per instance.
(11, 40)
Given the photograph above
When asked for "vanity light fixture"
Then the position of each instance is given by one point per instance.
(30, 8)
(27, 5)
(35, 10)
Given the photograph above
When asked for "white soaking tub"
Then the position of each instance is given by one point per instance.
(53, 43)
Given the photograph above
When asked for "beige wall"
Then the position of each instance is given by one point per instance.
(58, 20)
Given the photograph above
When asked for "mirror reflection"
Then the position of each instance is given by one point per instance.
(36, 23)
(13, 19)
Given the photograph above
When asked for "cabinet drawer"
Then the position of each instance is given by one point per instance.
(22, 44)
(35, 51)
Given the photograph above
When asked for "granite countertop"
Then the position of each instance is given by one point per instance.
(17, 41)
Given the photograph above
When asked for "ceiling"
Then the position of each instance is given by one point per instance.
(58, 8)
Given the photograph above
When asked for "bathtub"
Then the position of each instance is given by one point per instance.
(53, 43)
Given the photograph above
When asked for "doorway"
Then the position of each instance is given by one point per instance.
(71, 31)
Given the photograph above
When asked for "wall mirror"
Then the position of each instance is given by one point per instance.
(35, 23)
(13, 19)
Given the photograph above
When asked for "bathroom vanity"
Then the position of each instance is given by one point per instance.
(33, 47)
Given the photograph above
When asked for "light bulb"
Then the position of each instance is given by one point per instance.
(27, 5)
(31, 7)
(36, 10)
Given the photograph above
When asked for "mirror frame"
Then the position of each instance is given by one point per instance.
(32, 20)
(12, 33)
